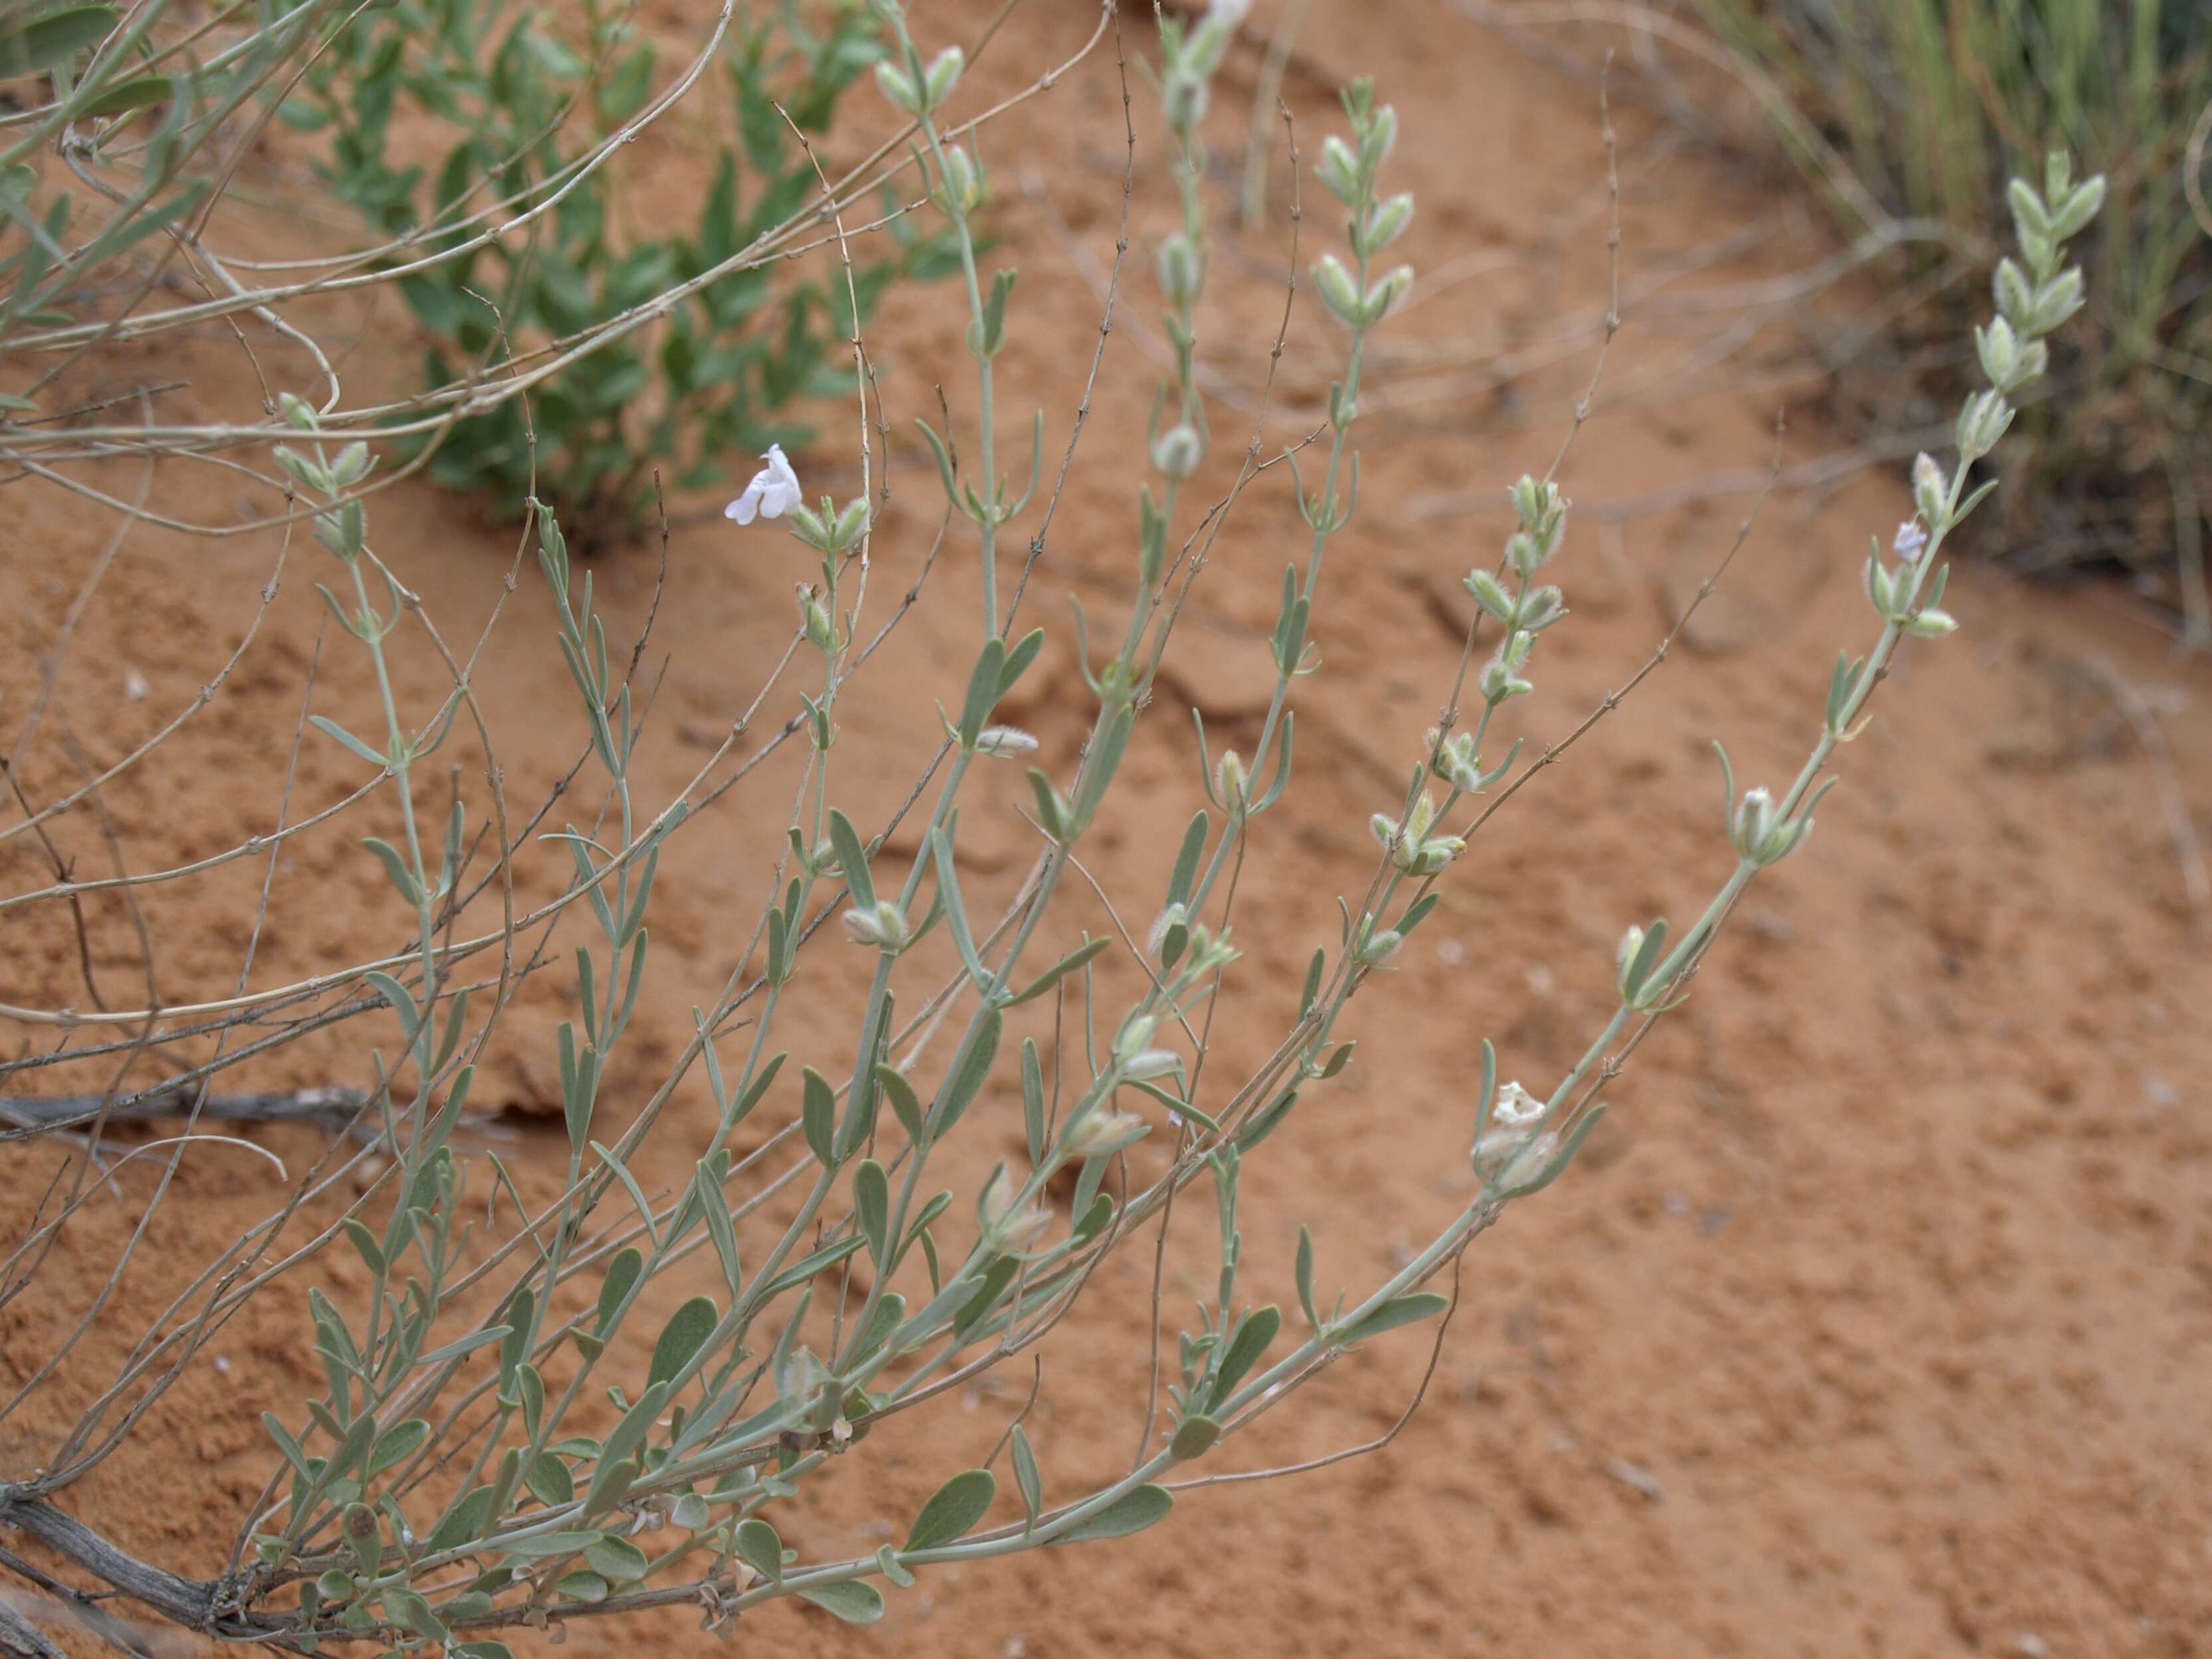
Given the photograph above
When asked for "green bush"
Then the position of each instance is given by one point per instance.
(1933, 104)
(523, 103)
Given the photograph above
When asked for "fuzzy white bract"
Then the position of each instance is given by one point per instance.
(773, 492)
(1516, 1108)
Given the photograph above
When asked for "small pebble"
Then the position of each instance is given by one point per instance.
(134, 686)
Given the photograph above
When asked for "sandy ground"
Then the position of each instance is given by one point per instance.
(1876, 1318)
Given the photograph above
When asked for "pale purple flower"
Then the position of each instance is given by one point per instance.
(773, 492)
(1912, 540)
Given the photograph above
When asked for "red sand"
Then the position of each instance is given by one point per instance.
(1876, 1318)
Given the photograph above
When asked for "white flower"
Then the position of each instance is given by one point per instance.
(1912, 540)
(1004, 741)
(773, 492)
(1516, 1107)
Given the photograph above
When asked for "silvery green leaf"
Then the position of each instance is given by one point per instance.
(760, 1548)
(818, 1116)
(887, 1563)
(983, 690)
(872, 1205)
(957, 1505)
(615, 1559)
(828, 1256)
(1304, 1270)
(1052, 976)
(1252, 1334)
(1398, 1311)
(396, 868)
(1194, 1437)
(629, 1185)
(1133, 1511)
(550, 1481)
(395, 1443)
(852, 860)
(904, 1106)
(1027, 1480)
(681, 1339)
(715, 1205)
(974, 1067)
(623, 1271)
(582, 1585)
(331, 729)
(1648, 956)
(1259, 1127)
(1033, 1102)
(852, 1601)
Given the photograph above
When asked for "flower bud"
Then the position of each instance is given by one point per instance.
(943, 74)
(1760, 834)
(1378, 137)
(2015, 300)
(1931, 624)
(1384, 220)
(1386, 297)
(1135, 1034)
(1183, 99)
(811, 526)
(2054, 301)
(1499, 683)
(1434, 853)
(1538, 609)
(1101, 1132)
(1147, 1063)
(1379, 948)
(1175, 916)
(1004, 742)
(960, 191)
(852, 525)
(2080, 205)
(1014, 1229)
(1456, 763)
(1982, 422)
(351, 465)
(1998, 347)
(883, 926)
(1339, 293)
(1339, 170)
(1181, 268)
(1754, 821)
(1880, 587)
(816, 620)
(1490, 593)
(1178, 451)
(1231, 782)
(1930, 489)
(898, 86)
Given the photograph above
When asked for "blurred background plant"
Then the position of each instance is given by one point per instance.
(525, 93)
(1932, 105)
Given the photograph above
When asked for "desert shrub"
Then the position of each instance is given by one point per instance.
(1932, 105)
(497, 1444)
(523, 95)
